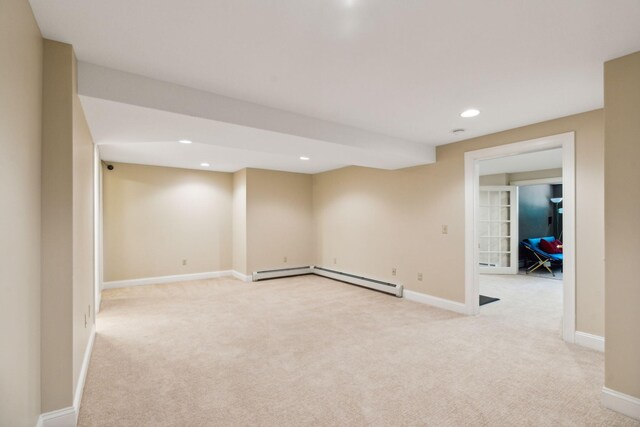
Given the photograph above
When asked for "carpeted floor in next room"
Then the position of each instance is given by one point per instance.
(311, 351)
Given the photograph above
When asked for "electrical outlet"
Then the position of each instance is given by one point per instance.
(393, 271)
(420, 277)
(284, 259)
(335, 260)
(184, 262)
(445, 229)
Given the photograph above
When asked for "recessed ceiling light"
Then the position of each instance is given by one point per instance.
(205, 165)
(185, 141)
(304, 158)
(471, 112)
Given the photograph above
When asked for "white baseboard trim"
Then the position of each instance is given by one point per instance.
(77, 396)
(446, 304)
(66, 417)
(240, 276)
(165, 279)
(620, 402)
(594, 342)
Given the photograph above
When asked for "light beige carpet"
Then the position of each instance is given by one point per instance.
(311, 351)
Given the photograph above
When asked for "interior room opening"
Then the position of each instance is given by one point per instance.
(520, 250)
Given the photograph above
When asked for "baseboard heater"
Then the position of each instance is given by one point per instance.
(378, 285)
(282, 272)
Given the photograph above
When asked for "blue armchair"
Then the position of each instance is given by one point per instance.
(539, 257)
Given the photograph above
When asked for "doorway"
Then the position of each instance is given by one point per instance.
(565, 142)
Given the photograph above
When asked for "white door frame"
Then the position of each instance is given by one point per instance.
(566, 141)
(97, 229)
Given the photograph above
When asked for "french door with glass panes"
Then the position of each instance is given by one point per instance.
(498, 230)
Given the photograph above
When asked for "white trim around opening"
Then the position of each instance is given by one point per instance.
(565, 141)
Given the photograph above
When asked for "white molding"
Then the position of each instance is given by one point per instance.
(77, 397)
(241, 276)
(620, 402)
(471, 243)
(594, 342)
(98, 302)
(97, 239)
(569, 237)
(566, 141)
(66, 417)
(165, 279)
(446, 304)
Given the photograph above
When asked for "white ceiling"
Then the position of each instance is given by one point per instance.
(124, 109)
(133, 134)
(540, 160)
(404, 69)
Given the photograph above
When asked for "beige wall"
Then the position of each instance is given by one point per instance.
(67, 230)
(240, 221)
(83, 237)
(370, 221)
(495, 179)
(622, 225)
(540, 174)
(20, 131)
(279, 220)
(156, 217)
(57, 227)
(49, 224)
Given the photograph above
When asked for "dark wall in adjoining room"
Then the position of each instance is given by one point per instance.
(535, 211)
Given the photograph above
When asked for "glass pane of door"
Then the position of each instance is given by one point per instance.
(497, 217)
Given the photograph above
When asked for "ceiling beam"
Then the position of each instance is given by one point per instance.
(113, 85)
